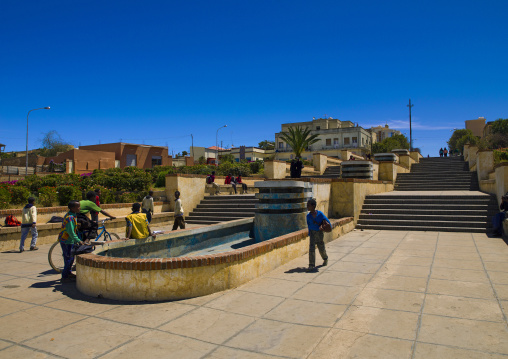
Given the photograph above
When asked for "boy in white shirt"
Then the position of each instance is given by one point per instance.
(179, 219)
(28, 224)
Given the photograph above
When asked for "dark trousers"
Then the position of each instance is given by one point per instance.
(497, 223)
(316, 239)
(179, 222)
(68, 258)
(244, 187)
(148, 215)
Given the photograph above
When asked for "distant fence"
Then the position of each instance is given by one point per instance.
(20, 171)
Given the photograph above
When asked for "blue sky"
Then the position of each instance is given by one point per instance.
(156, 72)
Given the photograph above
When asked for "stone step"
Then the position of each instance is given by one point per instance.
(438, 210)
(225, 205)
(212, 218)
(431, 199)
(427, 229)
(246, 211)
(435, 223)
(431, 189)
(425, 217)
(221, 214)
(203, 222)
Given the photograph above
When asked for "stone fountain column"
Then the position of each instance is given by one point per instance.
(282, 208)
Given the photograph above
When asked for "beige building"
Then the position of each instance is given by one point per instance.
(379, 133)
(334, 135)
(476, 126)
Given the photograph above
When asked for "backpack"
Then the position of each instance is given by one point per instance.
(208, 180)
(11, 221)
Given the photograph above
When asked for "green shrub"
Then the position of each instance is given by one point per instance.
(128, 197)
(256, 167)
(65, 194)
(19, 194)
(47, 196)
(107, 194)
(234, 168)
(5, 197)
(500, 156)
(161, 180)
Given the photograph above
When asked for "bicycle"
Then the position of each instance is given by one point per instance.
(55, 256)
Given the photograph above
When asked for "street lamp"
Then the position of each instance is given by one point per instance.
(42, 108)
(216, 143)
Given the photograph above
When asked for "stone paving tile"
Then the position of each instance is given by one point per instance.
(271, 286)
(498, 277)
(150, 316)
(4, 344)
(34, 321)
(409, 261)
(466, 308)
(390, 299)
(161, 345)
(332, 294)
(68, 341)
(501, 291)
(252, 304)
(458, 264)
(407, 271)
(276, 338)
(461, 289)
(426, 351)
(297, 311)
(410, 284)
(346, 344)
(497, 266)
(464, 275)
(209, 325)
(83, 305)
(403, 325)
(8, 306)
(354, 267)
(19, 352)
(343, 278)
(464, 333)
(231, 353)
(366, 258)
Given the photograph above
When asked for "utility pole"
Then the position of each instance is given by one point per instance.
(192, 146)
(410, 131)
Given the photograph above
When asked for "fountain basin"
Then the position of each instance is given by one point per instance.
(115, 272)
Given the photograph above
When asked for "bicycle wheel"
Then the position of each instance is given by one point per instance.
(110, 236)
(55, 257)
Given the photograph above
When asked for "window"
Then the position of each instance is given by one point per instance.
(156, 161)
(281, 145)
(355, 139)
(318, 128)
(363, 141)
(335, 141)
(131, 160)
(328, 141)
(346, 141)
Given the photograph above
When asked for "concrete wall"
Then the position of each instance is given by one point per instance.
(347, 196)
(466, 152)
(275, 169)
(388, 171)
(484, 164)
(406, 160)
(191, 188)
(84, 161)
(320, 162)
(415, 155)
(501, 175)
(322, 191)
(472, 156)
(48, 233)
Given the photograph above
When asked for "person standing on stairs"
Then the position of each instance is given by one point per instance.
(497, 220)
(445, 152)
(441, 152)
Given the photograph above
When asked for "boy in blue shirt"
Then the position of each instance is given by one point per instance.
(314, 222)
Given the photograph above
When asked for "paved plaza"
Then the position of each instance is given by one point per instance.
(384, 294)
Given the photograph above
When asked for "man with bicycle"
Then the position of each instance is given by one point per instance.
(68, 237)
(87, 206)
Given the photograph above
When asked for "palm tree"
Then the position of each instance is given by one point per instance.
(299, 139)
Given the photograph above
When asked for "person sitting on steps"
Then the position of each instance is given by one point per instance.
(210, 179)
(230, 180)
(497, 220)
(137, 224)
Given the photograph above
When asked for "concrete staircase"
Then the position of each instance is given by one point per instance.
(332, 172)
(216, 209)
(438, 174)
(456, 205)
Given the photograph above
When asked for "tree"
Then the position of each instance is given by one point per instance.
(456, 136)
(185, 153)
(500, 126)
(391, 143)
(227, 158)
(266, 145)
(202, 160)
(52, 144)
(299, 139)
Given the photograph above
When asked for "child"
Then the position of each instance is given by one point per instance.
(68, 237)
(29, 224)
(314, 222)
(179, 219)
(137, 224)
(147, 206)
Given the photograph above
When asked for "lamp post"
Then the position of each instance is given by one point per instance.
(410, 131)
(216, 143)
(42, 108)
